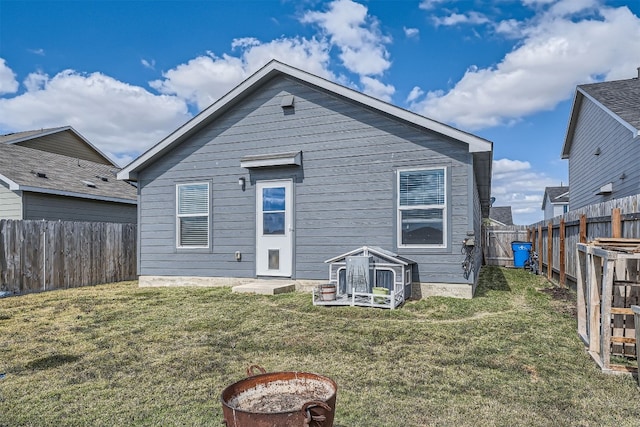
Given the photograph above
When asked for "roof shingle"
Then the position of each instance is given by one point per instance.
(622, 97)
(21, 165)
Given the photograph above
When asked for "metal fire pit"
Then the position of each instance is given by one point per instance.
(282, 399)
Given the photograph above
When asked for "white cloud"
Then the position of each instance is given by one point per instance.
(8, 82)
(349, 27)
(473, 18)
(148, 64)
(120, 119)
(431, 4)
(526, 202)
(557, 53)
(39, 52)
(206, 78)
(345, 24)
(415, 93)
(35, 81)
(509, 28)
(411, 32)
(376, 88)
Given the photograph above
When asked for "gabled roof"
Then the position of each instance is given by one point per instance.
(620, 99)
(19, 137)
(480, 147)
(501, 214)
(556, 196)
(373, 250)
(31, 170)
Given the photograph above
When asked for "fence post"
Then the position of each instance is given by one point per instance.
(583, 228)
(562, 254)
(550, 251)
(540, 247)
(616, 223)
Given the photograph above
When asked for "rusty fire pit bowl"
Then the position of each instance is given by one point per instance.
(282, 399)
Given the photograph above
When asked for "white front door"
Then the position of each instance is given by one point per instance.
(274, 228)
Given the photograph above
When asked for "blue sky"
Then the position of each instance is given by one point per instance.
(127, 73)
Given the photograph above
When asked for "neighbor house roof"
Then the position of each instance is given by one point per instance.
(481, 148)
(31, 170)
(620, 99)
(21, 137)
(556, 195)
(501, 214)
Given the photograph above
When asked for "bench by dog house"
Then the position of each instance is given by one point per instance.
(367, 276)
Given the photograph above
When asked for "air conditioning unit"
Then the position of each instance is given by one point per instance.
(360, 273)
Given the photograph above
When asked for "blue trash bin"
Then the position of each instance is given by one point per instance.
(520, 253)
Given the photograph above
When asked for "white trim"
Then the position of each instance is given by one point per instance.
(444, 209)
(281, 159)
(283, 243)
(178, 216)
(613, 115)
(13, 186)
(129, 172)
(394, 258)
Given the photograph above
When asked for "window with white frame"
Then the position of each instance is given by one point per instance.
(192, 215)
(422, 207)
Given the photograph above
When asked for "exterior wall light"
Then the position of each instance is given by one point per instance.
(242, 183)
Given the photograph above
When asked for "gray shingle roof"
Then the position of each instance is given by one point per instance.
(557, 194)
(502, 214)
(64, 175)
(622, 97)
(16, 136)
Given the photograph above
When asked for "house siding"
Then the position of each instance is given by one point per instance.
(619, 154)
(10, 204)
(344, 192)
(67, 144)
(53, 208)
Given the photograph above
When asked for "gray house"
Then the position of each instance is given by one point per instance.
(289, 170)
(555, 201)
(602, 142)
(37, 184)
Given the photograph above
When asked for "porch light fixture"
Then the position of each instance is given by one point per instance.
(242, 183)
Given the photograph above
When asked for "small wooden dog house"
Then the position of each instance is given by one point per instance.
(368, 276)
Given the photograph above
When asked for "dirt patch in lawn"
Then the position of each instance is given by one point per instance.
(563, 300)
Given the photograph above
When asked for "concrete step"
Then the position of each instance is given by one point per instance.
(266, 287)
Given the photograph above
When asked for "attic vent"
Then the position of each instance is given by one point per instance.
(605, 189)
(89, 184)
(287, 101)
(39, 174)
(102, 178)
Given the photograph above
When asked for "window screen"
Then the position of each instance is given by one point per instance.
(193, 215)
(421, 207)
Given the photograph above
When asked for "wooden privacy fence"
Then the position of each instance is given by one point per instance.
(496, 243)
(556, 240)
(45, 255)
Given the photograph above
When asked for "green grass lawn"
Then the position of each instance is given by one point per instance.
(122, 355)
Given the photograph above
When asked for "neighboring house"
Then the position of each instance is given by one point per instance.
(289, 170)
(501, 215)
(62, 140)
(602, 142)
(39, 185)
(555, 201)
